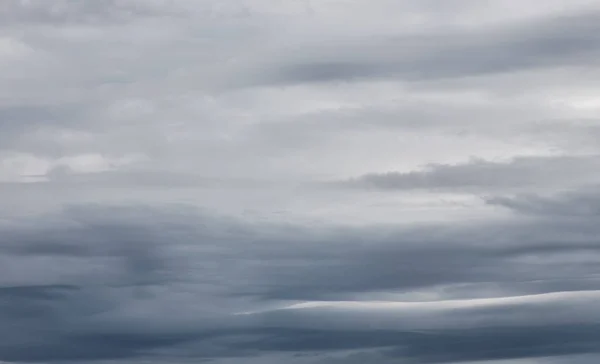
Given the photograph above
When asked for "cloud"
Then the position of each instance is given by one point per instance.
(500, 254)
(292, 181)
(519, 173)
(550, 42)
(119, 282)
(441, 331)
(65, 11)
(92, 287)
(575, 203)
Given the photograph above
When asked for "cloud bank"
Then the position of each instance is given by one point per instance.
(299, 181)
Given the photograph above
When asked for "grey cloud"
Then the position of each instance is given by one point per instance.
(404, 117)
(496, 344)
(21, 125)
(149, 179)
(137, 251)
(95, 285)
(118, 109)
(519, 173)
(24, 115)
(570, 204)
(562, 41)
(497, 255)
(62, 12)
(131, 267)
(442, 346)
(424, 333)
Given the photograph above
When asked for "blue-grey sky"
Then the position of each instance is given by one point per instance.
(299, 181)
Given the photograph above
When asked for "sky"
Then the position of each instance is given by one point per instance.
(299, 181)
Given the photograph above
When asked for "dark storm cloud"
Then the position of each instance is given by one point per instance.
(567, 40)
(501, 343)
(443, 332)
(83, 236)
(521, 172)
(47, 323)
(120, 282)
(91, 284)
(500, 254)
(442, 346)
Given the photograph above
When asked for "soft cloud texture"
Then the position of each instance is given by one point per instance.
(333, 181)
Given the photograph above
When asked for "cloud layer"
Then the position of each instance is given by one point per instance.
(299, 181)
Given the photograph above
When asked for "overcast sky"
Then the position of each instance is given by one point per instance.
(299, 181)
